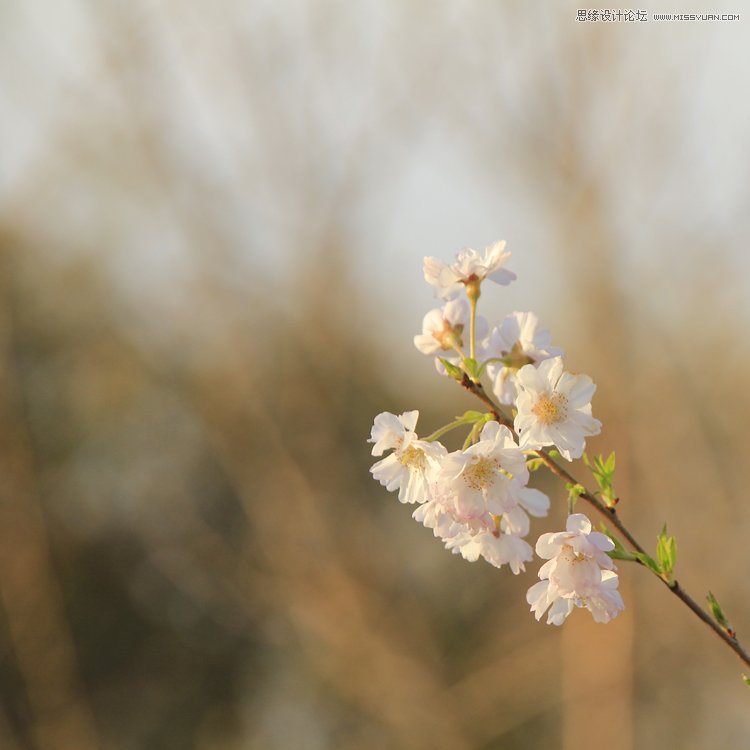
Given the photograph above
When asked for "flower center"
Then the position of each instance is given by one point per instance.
(413, 458)
(550, 409)
(568, 555)
(481, 473)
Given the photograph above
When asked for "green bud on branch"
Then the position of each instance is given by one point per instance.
(666, 553)
(719, 615)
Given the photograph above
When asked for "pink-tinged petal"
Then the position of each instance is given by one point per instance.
(426, 343)
(433, 321)
(576, 577)
(578, 523)
(409, 419)
(582, 421)
(567, 455)
(518, 551)
(432, 269)
(504, 550)
(504, 386)
(515, 521)
(449, 284)
(456, 312)
(535, 502)
(388, 472)
(580, 390)
(467, 262)
(526, 323)
(386, 432)
(482, 448)
(468, 547)
(605, 605)
(427, 513)
(548, 568)
(506, 334)
(601, 541)
(491, 431)
(470, 505)
(548, 545)
(593, 428)
(453, 464)
(532, 379)
(610, 579)
(524, 404)
(514, 462)
(551, 370)
(498, 498)
(496, 254)
(415, 490)
(559, 611)
(568, 440)
(537, 595)
(533, 437)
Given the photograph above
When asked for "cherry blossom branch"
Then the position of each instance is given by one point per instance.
(726, 635)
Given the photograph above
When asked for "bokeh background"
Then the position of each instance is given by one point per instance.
(212, 222)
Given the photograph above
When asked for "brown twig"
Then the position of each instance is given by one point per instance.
(611, 515)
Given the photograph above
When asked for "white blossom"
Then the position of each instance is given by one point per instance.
(578, 573)
(478, 502)
(409, 467)
(518, 341)
(476, 537)
(554, 408)
(496, 547)
(481, 476)
(469, 267)
(446, 330)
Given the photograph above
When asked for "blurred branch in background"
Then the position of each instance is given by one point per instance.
(194, 318)
(40, 650)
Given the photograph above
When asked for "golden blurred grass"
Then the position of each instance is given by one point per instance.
(193, 551)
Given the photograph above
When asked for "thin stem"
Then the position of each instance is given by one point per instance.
(451, 426)
(611, 515)
(460, 351)
(473, 323)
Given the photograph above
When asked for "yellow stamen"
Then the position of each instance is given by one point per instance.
(481, 474)
(550, 409)
(414, 458)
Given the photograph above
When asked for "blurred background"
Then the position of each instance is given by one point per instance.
(212, 224)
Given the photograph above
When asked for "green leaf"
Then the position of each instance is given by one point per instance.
(603, 471)
(746, 679)
(648, 561)
(666, 552)
(622, 554)
(472, 368)
(718, 614)
(472, 416)
(454, 372)
(619, 552)
(534, 463)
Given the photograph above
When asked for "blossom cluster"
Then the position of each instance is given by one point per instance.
(476, 499)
